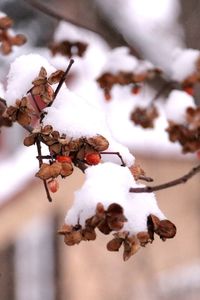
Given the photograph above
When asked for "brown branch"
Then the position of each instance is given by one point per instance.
(180, 180)
(38, 144)
(115, 153)
(62, 80)
(166, 86)
(47, 10)
(145, 178)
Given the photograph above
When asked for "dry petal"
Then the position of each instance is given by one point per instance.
(65, 229)
(23, 118)
(114, 244)
(130, 248)
(5, 22)
(55, 77)
(66, 170)
(30, 140)
(73, 238)
(88, 234)
(99, 143)
(18, 40)
(166, 229)
(49, 171)
(143, 238)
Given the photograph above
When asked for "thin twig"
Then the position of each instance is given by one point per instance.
(180, 180)
(145, 178)
(38, 144)
(166, 86)
(62, 80)
(115, 153)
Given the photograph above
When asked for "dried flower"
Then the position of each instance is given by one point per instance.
(7, 39)
(69, 49)
(144, 116)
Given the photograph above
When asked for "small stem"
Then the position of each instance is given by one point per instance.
(28, 128)
(115, 153)
(47, 191)
(62, 80)
(44, 157)
(161, 91)
(39, 150)
(145, 178)
(81, 165)
(180, 180)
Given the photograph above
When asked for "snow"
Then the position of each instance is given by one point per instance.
(176, 105)
(22, 72)
(109, 183)
(2, 91)
(147, 26)
(184, 63)
(119, 59)
(90, 64)
(75, 117)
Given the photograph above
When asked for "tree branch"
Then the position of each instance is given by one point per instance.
(180, 180)
(38, 144)
(56, 15)
(62, 80)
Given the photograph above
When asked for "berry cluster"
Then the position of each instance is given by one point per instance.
(64, 151)
(144, 116)
(107, 80)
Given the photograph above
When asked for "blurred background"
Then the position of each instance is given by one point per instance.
(35, 264)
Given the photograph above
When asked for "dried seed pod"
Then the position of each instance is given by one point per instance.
(55, 77)
(166, 230)
(30, 140)
(49, 171)
(143, 238)
(88, 234)
(98, 142)
(114, 244)
(46, 130)
(131, 246)
(65, 229)
(66, 169)
(5, 22)
(73, 238)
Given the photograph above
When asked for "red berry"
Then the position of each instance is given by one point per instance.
(189, 90)
(63, 158)
(198, 154)
(136, 89)
(93, 158)
(53, 185)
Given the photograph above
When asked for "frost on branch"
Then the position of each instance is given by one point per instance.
(105, 203)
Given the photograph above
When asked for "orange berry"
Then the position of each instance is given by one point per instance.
(53, 185)
(93, 158)
(63, 158)
(189, 90)
(136, 90)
